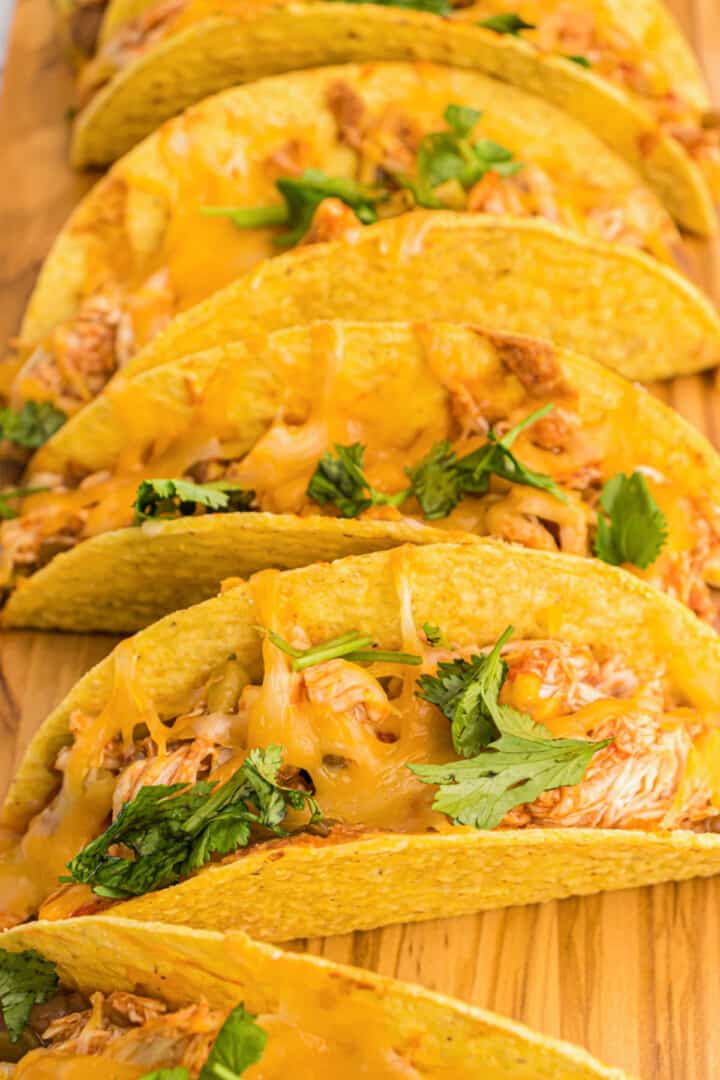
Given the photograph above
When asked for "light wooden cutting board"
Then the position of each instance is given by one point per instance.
(633, 976)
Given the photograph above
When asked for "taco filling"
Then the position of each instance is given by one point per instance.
(489, 434)
(575, 31)
(341, 737)
(50, 1030)
(379, 146)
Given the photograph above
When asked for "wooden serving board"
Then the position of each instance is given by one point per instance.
(633, 976)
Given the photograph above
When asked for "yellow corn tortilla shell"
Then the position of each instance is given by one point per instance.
(473, 593)
(214, 49)
(438, 1036)
(616, 306)
(122, 580)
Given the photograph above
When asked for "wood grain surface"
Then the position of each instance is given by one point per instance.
(633, 976)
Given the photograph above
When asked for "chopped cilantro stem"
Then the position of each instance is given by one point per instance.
(377, 656)
(350, 646)
(250, 217)
(533, 417)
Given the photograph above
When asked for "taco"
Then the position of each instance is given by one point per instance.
(434, 729)
(626, 74)
(199, 202)
(121, 999)
(337, 438)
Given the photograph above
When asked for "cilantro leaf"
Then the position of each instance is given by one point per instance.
(240, 1043)
(515, 760)
(303, 195)
(341, 480)
(516, 768)
(433, 634)
(352, 646)
(7, 512)
(441, 479)
(26, 979)
(582, 61)
(506, 24)
(467, 692)
(32, 425)
(631, 527)
(173, 498)
(434, 7)
(436, 482)
(450, 155)
(171, 831)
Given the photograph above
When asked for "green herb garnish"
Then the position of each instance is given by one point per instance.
(32, 425)
(26, 979)
(240, 1043)
(631, 527)
(302, 197)
(352, 646)
(179, 498)
(511, 760)
(506, 24)
(441, 479)
(438, 482)
(171, 831)
(341, 480)
(451, 155)
(582, 61)
(433, 634)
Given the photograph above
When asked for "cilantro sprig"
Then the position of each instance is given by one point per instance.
(510, 759)
(508, 23)
(352, 646)
(173, 498)
(172, 831)
(26, 979)
(631, 527)
(452, 155)
(32, 425)
(340, 479)
(302, 195)
(439, 482)
(239, 1043)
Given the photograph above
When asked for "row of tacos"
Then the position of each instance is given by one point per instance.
(625, 73)
(351, 344)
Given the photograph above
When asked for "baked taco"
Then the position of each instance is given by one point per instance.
(626, 74)
(122, 999)
(434, 729)
(199, 203)
(337, 438)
